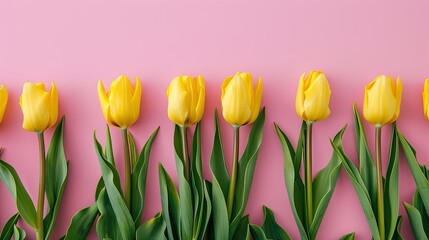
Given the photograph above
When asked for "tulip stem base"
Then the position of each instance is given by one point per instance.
(233, 181)
(309, 173)
(41, 196)
(380, 200)
(127, 161)
(186, 163)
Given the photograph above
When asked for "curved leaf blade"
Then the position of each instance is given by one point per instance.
(8, 228)
(271, 228)
(81, 223)
(152, 229)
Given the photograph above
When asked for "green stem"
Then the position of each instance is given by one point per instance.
(186, 163)
(41, 196)
(380, 200)
(234, 171)
(309, 173)
(127, 161)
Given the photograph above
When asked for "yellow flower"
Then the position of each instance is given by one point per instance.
(382, 100)
(3, 100)
(240, 101)
(121, 104)
(186, 100)
(312, 98)
(426, 99)
(39, 107)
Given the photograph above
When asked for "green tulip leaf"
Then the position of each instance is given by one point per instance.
(416, 222)
(350, 236)
(360, 188)
(56, 177)
(220, 212)
(324, 185)
(185, 193)
(18, 233)
(114, 193)
(8, 228)
(246, 168)
(367, 167)
(397, 234)
(23, 201)
(153, 229)
(108, 226)
(418, 204)
(138, 179)
(257, 232)
(81, 223)
(242, 231)
(418, 174)
(271, 228)
(391, 191)
(294, 184)
(217, 160)
(133, 150)
(170, 204)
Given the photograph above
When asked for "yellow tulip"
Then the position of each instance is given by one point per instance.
(240, 101)
(426, 99)
(312, 98)
(39, 107)
(382, 100)
(186, 100)
(3, 100)
(121, 104)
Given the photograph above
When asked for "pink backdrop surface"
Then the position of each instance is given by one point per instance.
(76, 43)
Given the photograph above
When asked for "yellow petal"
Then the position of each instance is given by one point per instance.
(299, 101)
(316, 104)
(257, 101)
(104, 102)
(3, 100)
(398, 95)
(136, 99)
(199, 108)
(236, 108)
(53, 105)
(35, 105)
(120, 96)
(381, 101)
(426, 98)
(177, 99)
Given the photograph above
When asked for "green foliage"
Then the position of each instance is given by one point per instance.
(8, 229)
(364, 181)
(56, 178)
(323, 184)
(418, 212)
(233, 228)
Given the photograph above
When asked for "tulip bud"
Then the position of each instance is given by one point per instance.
(240, 101)
(312, 98)
(426, 99)
(186, 100)
(39, 107)
(382, 100)
(121, 104)
(3, 100)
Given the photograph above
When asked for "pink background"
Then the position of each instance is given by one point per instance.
(76, 43)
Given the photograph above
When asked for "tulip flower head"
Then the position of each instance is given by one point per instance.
(426, 99)
(382, 101)
(121, 104)
(240, 100)
(39, 107)
(186, 100)
(312, 98)
(3, 100)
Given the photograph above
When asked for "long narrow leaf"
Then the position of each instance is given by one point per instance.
(271, 228)
(416, 222)
(7, 230)
(220, 212)
(245, 171)
(294, 185)
(108, 226)
(18, 233)
(324, 185)
(111, 181)
(56, 177)
(170, 204)
(138, 180)
(81, 223)
(217, 159)
(153, 229)
(257, 232)
(23, 201)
